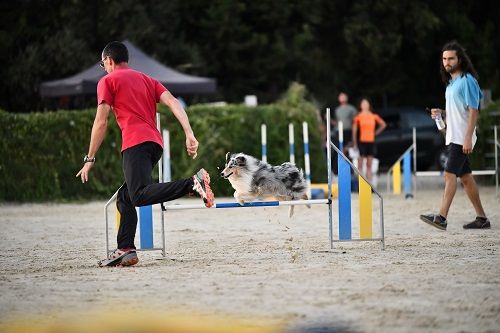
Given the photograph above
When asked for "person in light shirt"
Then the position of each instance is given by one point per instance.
(463, 96)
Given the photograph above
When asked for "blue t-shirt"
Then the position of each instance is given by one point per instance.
(462, 93)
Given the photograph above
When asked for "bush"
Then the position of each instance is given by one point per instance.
(482, 157)
(42, 152)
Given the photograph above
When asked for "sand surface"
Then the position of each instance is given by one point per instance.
(258, 263)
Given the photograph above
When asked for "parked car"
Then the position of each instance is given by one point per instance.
(398, 136)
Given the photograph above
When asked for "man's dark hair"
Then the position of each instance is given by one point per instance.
(116, 51)
(463, 61)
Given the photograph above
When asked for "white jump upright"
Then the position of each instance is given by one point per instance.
(341, 135)
(263, 139)
(167, 172)
(307, 163)
(291, 143)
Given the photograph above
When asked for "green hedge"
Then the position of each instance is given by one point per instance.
(42, 152)
(482, 157)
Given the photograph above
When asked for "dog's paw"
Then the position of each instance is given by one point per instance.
(238, 198)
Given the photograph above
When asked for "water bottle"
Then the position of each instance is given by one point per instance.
(440, 122)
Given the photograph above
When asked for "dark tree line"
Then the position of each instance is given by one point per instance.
(388, 50)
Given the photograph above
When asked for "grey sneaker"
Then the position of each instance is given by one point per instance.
(201, 185)
(434, 220)
(119, 257)
(478, 223)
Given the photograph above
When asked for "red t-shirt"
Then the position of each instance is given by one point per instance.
(133, 97)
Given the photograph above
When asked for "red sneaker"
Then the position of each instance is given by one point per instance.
(202, 186)
(120, 257)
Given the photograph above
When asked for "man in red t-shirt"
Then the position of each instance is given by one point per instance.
(132, 96)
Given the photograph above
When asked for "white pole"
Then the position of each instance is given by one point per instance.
(263, 133)
(306, 156)
(167, 172)
(341, 135)
(291, 141)
(329, 174)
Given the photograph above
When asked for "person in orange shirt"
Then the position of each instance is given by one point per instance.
(366, 121)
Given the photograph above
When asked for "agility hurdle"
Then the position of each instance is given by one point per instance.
(395, 170)
(365, 202)
(344, 205)
(344, 202)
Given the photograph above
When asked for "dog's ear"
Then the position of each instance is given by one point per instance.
(241, 160)
(228, 156)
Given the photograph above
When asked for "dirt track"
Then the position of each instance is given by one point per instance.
(257, 263)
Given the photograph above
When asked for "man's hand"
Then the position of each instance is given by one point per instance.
(84, 172)
(191, 145)
(467, 147)
(436, 112)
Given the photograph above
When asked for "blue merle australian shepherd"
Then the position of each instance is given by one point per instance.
(254, 179)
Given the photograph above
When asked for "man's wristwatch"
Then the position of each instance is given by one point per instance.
(87, 159)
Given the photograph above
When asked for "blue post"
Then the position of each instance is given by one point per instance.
(146, 226)
(407, 174)
(344, 188)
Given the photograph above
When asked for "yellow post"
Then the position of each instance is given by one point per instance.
(117, 220)
(396, 178)
(365, 209)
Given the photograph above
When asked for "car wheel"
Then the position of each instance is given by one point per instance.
(442, 158)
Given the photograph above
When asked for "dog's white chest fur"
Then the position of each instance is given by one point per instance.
(242, 182)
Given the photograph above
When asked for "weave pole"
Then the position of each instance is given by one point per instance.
(307, 165)
(263, 139)
(291, 143)
(341, 135)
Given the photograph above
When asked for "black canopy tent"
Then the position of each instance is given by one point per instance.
(86, 82)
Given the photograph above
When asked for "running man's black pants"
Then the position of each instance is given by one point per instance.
(139, 189)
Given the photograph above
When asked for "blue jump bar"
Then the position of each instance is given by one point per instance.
(247, 204)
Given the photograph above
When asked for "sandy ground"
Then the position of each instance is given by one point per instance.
(257, 263)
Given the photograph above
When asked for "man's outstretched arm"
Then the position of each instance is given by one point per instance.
(96, 138)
